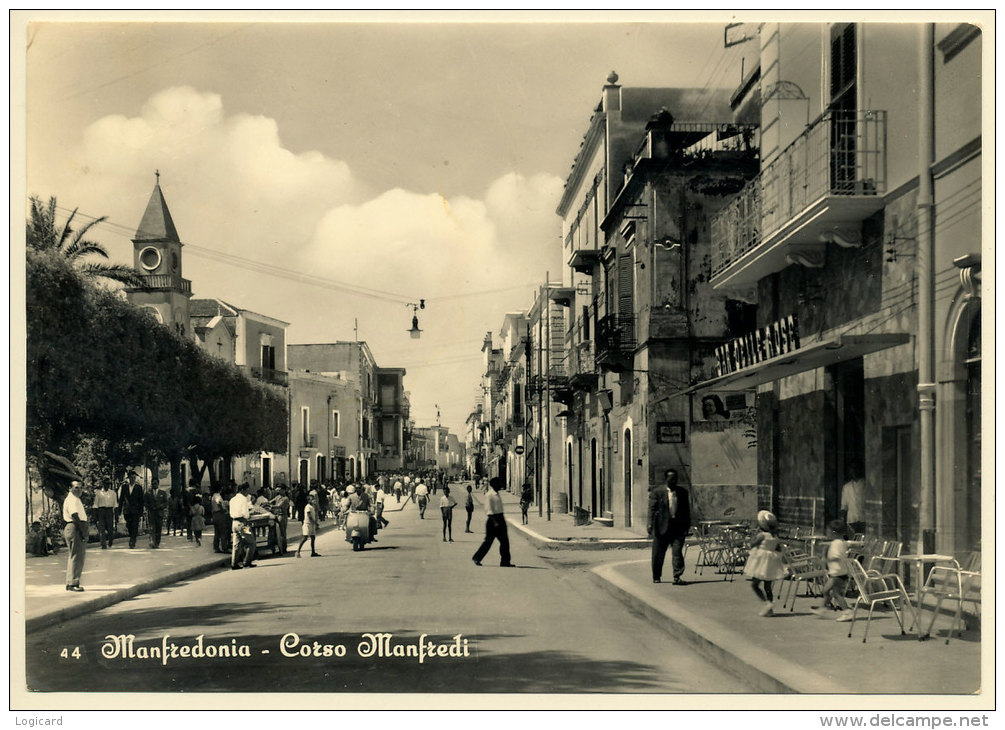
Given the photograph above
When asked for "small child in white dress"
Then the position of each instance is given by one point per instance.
(764, 561)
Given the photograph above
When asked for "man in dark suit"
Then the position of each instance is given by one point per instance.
(131, 501)
(669, 523)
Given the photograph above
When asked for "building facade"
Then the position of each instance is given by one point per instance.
(324, 426)
(643, 321)
(862, 233)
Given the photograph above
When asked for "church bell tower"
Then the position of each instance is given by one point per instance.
(157, 258)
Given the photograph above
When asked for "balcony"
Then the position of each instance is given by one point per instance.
(817, 191)
(275, 377)
(615, 342)
(162, 281)
(583, 373)
(310, 440)
(585, 260)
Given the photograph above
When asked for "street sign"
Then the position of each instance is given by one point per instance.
(518, 450)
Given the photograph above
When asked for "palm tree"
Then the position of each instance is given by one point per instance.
(43, 234)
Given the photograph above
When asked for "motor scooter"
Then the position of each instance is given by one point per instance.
(357, 529)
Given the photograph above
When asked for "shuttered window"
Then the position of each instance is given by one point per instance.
(626, 285)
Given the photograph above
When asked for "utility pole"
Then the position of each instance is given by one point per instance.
(547, 389)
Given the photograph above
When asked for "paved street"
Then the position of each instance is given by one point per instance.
(543, 627)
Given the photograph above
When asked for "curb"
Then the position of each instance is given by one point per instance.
(123, 594)
(765, 672)
(579, 543)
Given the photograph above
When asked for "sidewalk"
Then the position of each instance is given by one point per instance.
(118, 573)
(791, 652)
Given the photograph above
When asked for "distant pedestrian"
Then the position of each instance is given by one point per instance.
(218, 516)
(105, 503)
(187, 500)
(131, 499)
(155, 502)
(764, 561)
(447, 504)
(75, 534)
(422, 495)
(469, 507)
(526, 500)
(669, 523)
(495, 527)
(397, 491)
(197, 519)
(310, 527)
(281, 508)
(378, 507)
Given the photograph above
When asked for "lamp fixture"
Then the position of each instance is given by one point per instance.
(415, 332)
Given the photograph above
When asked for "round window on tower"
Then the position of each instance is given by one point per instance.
(150, 258)
(174, 262)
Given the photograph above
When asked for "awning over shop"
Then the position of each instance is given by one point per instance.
(811, 356)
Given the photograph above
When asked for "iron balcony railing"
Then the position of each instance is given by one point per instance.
(276, 377)
(840, 154)
(615, 341)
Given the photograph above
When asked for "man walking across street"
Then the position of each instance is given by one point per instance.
(495, 527)
(422, 494)
(75, 534)
(668, 525)
(243, 539)
(105, 503)
(378, 506)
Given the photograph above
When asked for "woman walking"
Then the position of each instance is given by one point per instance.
(310, 526)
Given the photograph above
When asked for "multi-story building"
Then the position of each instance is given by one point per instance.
(643, 322)
(324, 426)
(391, 418)
(862, 236)
(382, 411)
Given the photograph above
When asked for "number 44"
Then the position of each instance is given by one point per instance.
(67, 653)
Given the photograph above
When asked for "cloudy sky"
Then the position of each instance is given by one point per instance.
(328, 173)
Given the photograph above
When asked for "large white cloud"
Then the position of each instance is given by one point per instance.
(233, 187)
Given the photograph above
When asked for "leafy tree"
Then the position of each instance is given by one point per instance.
(44, 234)
(99, 366)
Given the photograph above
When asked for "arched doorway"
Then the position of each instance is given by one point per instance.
(627, 453)
(304, 472)
(352, 469)
(968, 501)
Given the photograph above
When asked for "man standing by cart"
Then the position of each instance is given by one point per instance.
(243, 551)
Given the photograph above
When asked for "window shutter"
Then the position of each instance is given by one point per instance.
(626, 285)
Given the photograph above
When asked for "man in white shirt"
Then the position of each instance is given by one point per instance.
(105, 503)
(75, 534)
(243, 550)
(495, 527)
(378, 507)
(853, 500)
(422, 495)
(397, 491)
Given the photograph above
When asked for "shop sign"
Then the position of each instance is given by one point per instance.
(778, 338)
(518, 450)
(338, 451)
